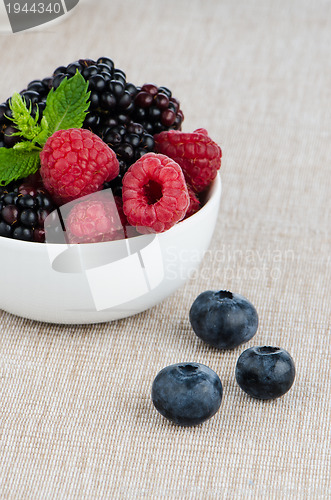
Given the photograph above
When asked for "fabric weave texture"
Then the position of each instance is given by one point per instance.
(76, 417)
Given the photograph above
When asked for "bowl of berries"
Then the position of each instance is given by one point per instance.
(106, 206)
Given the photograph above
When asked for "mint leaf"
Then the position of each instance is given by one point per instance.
(17, 163)
(66, 107)
(27, 126)
(43, 135)
(26, 146)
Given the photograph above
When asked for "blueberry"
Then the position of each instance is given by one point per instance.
(223, 319)
(265, 372)
(187, 393)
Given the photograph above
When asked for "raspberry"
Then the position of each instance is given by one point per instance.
(196, 153)
(75, 163)
(94, 220)
(194, 205)
(155, 194)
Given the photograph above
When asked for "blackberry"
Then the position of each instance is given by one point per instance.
(156, 109)
(130, 142)
(24, 206)
(112, 97)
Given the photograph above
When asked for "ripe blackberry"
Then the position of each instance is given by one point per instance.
(111, 95)
(24, 206)
(156, 109)
(130, 142)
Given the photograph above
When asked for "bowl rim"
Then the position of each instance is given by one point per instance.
(214, 191)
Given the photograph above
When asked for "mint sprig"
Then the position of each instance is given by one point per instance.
(17, 163)
(66, 107)
(27, 126)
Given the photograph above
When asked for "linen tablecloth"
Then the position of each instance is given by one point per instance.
(76, 417)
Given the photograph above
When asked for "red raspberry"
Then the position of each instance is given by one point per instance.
(194, 205)
(75, 163)
(196, 153)
(154, 194)
(94, 220)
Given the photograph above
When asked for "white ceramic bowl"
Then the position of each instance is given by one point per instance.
(98, 282)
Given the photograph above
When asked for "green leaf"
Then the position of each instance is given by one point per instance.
(66, 107)
(27, 126)
(17, 163)
(26, 146)
(43, 135)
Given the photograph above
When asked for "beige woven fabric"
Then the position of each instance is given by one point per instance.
(76, 418)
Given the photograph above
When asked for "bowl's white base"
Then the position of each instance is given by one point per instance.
(80, 284)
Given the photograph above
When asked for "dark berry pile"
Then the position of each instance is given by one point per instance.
(130, 142)
(113, 101)
(112, 97)
(23, 210)
(156, 109)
